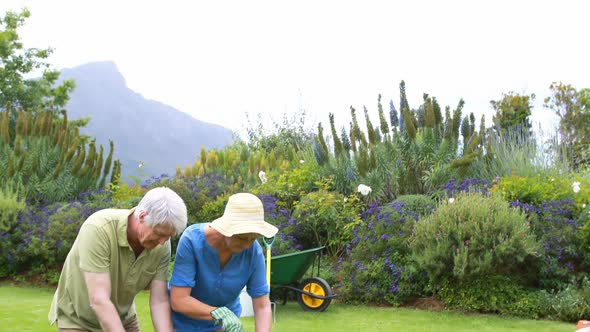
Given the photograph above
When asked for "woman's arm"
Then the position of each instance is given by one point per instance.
(262, 313)
(182, 301)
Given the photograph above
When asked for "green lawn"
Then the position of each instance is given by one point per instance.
(25, 309)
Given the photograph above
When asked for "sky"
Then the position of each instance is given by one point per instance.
(220, 60)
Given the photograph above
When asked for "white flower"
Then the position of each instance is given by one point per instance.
(262, 176)
(364, 190)
(584, 206)
(451, 200)
(552, 179)
(576, 187)
(301, 161)
(140, 164)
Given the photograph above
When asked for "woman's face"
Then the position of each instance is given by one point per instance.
(239, 242)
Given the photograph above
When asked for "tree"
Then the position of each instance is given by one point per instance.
(43, 154)
(512, 113)
(16, 62)
(573, 109)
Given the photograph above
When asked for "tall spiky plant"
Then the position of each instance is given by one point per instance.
(42, 160)
(373, 138)
(338, 148)
(382, 122)
(322, 154)
(393, 118)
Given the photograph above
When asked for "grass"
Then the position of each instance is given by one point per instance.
(25, 309)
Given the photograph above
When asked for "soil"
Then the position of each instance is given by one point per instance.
(426, 303)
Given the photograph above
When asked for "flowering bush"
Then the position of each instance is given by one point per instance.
(554, 226)
(10, 207)
(43, 235)
(279, 216)
(453, 188)
(421, 205)
(376, 269)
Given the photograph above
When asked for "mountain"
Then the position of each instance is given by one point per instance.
(143, 131)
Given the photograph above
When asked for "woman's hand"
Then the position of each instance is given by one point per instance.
(226, 318)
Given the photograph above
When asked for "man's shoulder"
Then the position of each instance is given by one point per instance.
(107, 216)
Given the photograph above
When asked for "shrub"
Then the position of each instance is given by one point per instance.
(572, 303)
(421, 205)
(584, 232)
(453, 188)
(212, 209)
(377, 269)
(473, 236)
(289, 184)
(323, 218)
(560, 254)
(10, 207)
(126, 195)
(493, 294)
(534, 190)
(279, 216)
(43, 235)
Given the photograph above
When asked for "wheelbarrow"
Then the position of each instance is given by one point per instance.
(286, 272)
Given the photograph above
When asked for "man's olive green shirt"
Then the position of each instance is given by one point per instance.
(101, 246)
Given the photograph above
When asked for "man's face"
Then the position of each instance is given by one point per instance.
(150, 237)
(240, 242)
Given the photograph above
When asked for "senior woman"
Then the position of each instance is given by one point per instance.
(214, 261)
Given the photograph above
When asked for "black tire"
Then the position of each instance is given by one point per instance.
(316, 286)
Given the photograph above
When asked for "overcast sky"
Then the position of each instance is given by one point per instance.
(217, 60)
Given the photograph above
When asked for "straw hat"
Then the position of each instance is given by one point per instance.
(243, 213)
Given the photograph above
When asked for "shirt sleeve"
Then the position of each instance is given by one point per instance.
(185, 263)
(94, 249)
(257, 285)
(162, 270)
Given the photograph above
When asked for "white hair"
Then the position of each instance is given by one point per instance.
(163, 206)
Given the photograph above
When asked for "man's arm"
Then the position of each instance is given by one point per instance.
(160, 307)
(99, 294)
(262, 313)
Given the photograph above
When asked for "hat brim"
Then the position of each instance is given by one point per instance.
(228, 227)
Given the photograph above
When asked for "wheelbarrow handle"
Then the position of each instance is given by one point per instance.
(299, 290)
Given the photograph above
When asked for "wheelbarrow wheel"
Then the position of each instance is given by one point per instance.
(316, 286)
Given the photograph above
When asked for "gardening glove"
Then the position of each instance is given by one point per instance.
(227, 319)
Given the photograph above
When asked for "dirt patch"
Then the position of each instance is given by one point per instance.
(426, 303)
